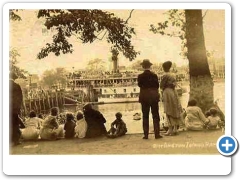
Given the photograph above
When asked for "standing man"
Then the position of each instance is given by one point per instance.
(149, 98)
(15, 103)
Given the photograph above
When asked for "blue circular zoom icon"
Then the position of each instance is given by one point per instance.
(227, 145)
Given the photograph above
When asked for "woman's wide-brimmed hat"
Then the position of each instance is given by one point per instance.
(146, 63)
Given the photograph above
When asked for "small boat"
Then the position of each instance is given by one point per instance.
(137, 116)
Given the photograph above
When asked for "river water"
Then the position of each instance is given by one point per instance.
(128, 109)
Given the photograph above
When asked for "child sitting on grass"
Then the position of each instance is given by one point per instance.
(81, 126)
(213, 120)
(69, 126)
(118, 127)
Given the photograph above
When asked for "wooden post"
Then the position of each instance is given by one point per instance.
(39, 102)
(63, 100)
(60, 99)
(35, 104)
(52, 101)
(57, 99)
(48, 100)
(44, 109)
(30, 105)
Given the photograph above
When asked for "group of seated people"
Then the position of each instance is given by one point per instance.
(86, 124)
(195, 119)
(91, 123)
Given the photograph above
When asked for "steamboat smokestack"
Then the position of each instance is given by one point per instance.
(115, 60)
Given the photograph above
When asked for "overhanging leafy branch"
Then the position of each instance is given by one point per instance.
(86, 25)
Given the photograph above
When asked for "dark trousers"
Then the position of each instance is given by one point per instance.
(155, 115)
(14, 129)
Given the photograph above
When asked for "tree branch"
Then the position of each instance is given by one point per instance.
(179, 18)
(102, 36)
(130, 15)
(205, 14)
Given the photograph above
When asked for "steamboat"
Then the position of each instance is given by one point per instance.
(115, 88)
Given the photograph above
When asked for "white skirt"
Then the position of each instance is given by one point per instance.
(30, 133)
(81, 129)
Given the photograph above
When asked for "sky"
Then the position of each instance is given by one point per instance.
(26, 36)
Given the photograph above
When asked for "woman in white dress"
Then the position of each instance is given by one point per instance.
(51, 129)
(81, 125)
(33, 124)
(195, 119)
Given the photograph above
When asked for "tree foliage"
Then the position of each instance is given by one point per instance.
(175, 26)
(86, 26)
(13, 53)
(96, 65)
(136, 65)
(51, 77)
(13, 15)
(13, 56)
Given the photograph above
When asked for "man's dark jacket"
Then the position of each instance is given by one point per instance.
(149, 85)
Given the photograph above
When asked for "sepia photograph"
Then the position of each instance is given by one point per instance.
(116, 81)
(66, 62)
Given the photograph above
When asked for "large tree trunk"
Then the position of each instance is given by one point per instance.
(201, 82)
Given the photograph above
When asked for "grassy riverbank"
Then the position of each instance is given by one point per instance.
(188, 142)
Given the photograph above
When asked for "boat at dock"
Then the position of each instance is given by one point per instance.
(114, 88)
(122, 94)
